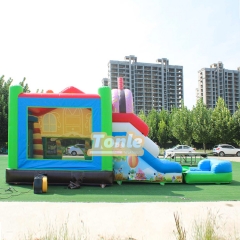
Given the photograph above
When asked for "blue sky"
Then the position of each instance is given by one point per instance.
(56, 44)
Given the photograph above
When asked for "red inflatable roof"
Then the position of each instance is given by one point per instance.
(71, 90)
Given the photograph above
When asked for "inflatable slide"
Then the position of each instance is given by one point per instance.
(144, 167)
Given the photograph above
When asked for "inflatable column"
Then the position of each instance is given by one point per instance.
(13, 126)
(106, 122)
(122, 100)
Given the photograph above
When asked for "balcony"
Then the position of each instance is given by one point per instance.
(114, 70)
(122, 66)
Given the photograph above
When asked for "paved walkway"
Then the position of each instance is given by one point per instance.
(143, 221)
(233, 159)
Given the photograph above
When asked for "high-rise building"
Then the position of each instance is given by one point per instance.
(105, 82)
(153, 85)
(215, 82)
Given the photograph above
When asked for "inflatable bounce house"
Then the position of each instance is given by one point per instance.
(40, 122)
(43, 125)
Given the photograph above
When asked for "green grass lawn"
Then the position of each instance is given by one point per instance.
(127, 192)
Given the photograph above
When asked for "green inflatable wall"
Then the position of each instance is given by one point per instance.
(106, 122)
(13, 126)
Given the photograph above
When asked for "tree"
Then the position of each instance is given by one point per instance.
(163, 127)
(236, 124)
(181, 125)
(162, 133)
(222, 124)
(4, 93)
(202, 123)
(24, 86)
(142, 116)
(38, 91)
(152, 122)
(172, 138)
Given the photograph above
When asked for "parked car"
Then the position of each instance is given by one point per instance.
(179, 148)
(225, 149)
(75, 150)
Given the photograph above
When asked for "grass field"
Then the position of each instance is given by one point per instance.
(127, 192)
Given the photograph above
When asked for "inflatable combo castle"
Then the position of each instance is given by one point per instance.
(41, 123)
(42, 126)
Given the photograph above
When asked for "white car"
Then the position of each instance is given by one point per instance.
(75, 150)
(225, 149)
(179, 148)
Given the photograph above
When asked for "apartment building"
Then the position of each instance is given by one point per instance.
(215, 82)
(153, 85)
(105, 82)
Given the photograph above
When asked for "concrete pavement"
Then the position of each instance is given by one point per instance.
(143, 221)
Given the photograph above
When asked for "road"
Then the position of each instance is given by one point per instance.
(230, 158)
